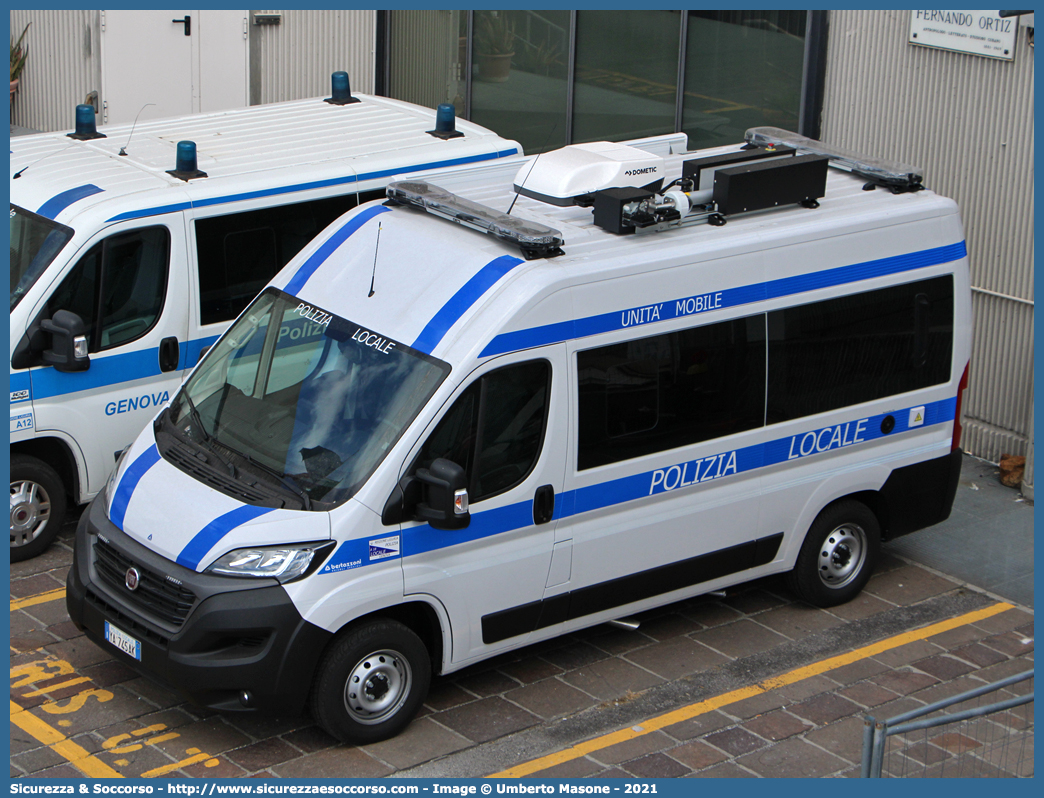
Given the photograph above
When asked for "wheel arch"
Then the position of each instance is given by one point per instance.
(58, 454)
(416, 615)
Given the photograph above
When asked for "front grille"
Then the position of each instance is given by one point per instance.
(125, 622)
(156, 595)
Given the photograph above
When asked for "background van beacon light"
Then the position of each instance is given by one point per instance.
(85, 124)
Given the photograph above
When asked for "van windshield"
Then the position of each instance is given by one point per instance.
(305, 401)
(35, 241)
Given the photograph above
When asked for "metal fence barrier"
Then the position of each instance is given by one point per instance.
(990, 749)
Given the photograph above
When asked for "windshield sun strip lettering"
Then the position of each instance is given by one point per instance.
(59, 202)
(317, 184)
(129, 481)
(716, 300)
(328, 247)
(666, 479)
(212, 533)
(459, 304)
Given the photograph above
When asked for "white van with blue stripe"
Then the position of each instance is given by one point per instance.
(517, 403)
(133, 248)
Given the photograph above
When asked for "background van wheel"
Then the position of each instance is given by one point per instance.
(371, 682)
(838, 555)
(37, 506)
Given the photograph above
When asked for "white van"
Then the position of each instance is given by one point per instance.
(445, 431)
(144, 248)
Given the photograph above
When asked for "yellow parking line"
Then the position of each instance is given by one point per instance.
(703, 707)
(60, 744)
(40, 598)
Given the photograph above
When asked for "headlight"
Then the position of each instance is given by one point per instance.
(282, 563)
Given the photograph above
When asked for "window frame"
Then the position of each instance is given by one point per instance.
(451, 404)
(101, 279)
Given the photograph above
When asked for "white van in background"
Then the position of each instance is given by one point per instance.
(456, 424)
(132, 249)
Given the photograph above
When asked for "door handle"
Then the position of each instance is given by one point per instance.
(187, 22)
(543, 504)
(169, 354)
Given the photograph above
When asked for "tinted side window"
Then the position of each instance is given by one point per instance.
(495, 429)
(121, 280)
(861, 347)
(670, 390)
(239, 253)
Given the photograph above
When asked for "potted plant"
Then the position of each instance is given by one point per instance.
(494, 45)
(19, 55)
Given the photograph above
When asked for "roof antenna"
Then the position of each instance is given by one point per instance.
(123, 149)
(18, 174)
(546, 141)
(376, 246)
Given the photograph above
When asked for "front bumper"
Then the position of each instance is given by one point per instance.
(223, 643)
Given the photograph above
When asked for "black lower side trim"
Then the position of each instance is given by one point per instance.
(920, 495)
(628, 589)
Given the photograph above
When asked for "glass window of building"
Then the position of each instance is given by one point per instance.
(742, 69)
(520, 76)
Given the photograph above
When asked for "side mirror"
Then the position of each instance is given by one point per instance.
(445, 495)
(68, 350)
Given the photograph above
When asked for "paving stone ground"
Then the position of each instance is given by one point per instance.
(520, 706)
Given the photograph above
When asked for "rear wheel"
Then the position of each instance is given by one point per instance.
(371, 682)
(37, 506)
(838, 555)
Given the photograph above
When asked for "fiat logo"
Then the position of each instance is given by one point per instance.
(132, 579)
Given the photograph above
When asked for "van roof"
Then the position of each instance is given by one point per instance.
(279, 148)
(456, 293)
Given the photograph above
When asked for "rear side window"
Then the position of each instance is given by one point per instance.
(670, 390)
(495, 429)
(118, 287)
(238, 254)
(860, 347)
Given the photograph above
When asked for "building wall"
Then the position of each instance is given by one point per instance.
(62, 68)
(295, 58)
(968, 122)
(288, 61)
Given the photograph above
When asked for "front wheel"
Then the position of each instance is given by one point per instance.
(37, 506)
(838, 555)
(371, 682)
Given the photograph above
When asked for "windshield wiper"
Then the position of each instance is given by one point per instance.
(194, 415)
(208, 439)
(285, 479)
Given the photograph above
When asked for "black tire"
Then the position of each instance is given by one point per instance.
(838, 556)
(37, 506)
(371, 682)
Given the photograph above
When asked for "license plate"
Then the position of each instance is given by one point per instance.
(123, 641)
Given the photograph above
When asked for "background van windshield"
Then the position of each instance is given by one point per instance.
(34, 243)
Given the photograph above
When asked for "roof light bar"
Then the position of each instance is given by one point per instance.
(534, 239)
(899, 177)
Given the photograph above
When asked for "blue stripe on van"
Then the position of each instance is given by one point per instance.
(336, 181)
(20, 382)
(59, 202)
(458, 304)
(207, 537)
(129, 481)
(726, 298)
(673, 476)
(109, 370)
(328, 247)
